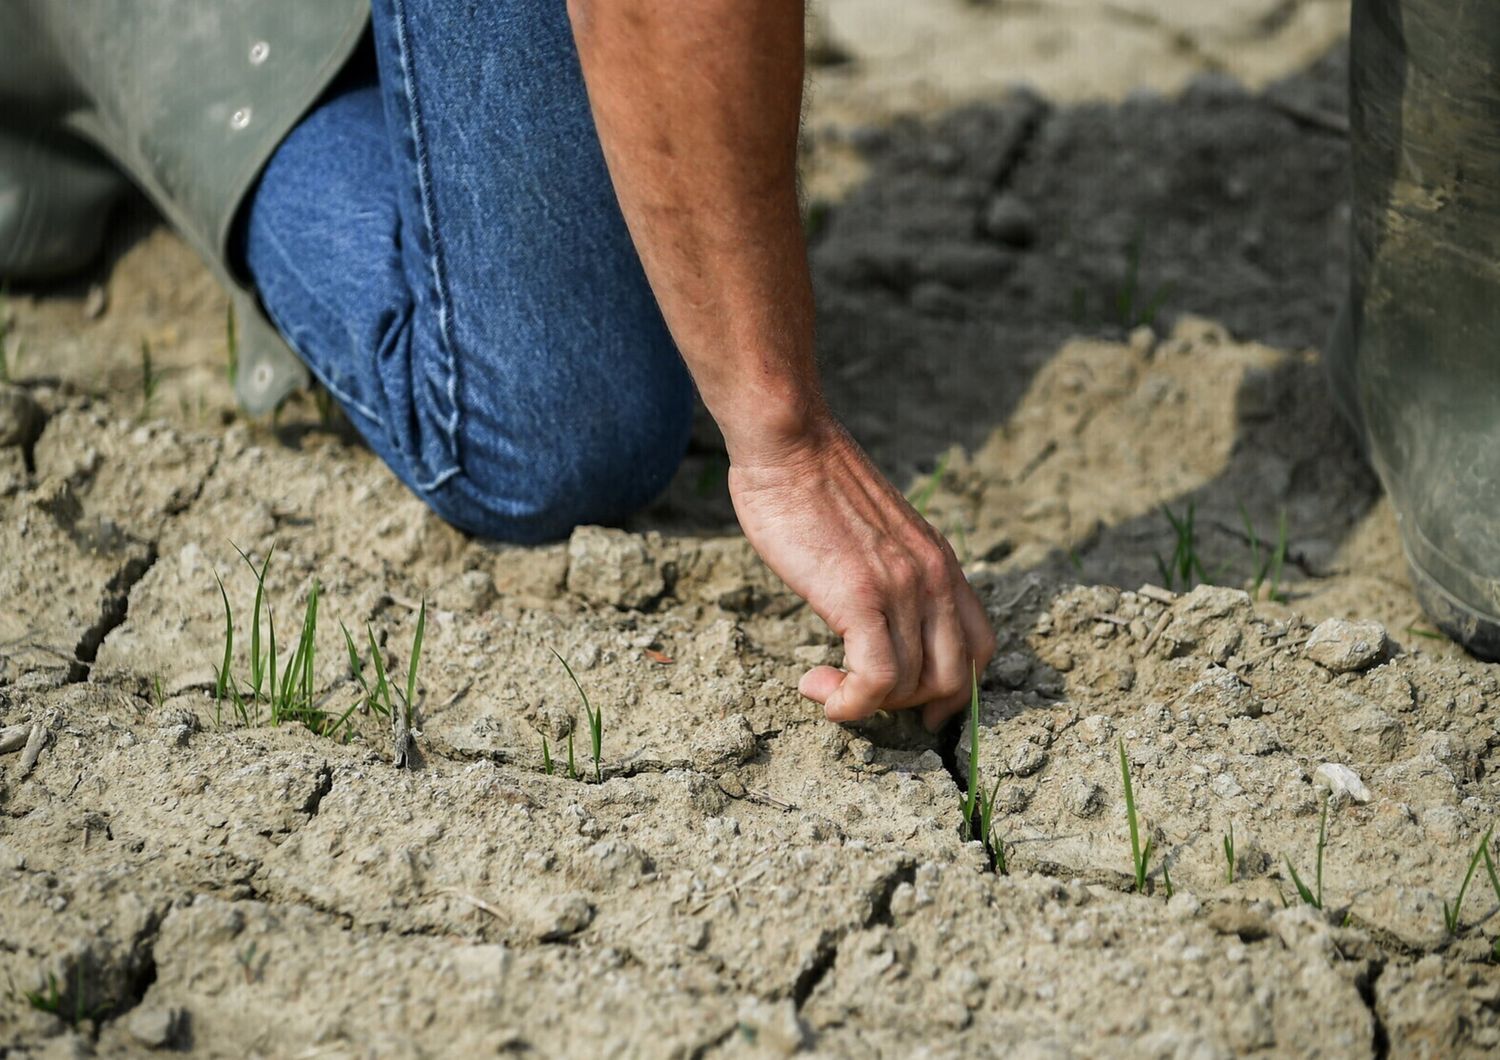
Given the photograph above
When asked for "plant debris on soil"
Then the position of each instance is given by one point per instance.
(1058, 323)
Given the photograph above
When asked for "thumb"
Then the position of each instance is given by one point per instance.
(820, 682)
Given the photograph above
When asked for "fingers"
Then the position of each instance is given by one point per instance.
(873, 670)
(936, 714)
(960, 649)
(906, 655)
(946, 655)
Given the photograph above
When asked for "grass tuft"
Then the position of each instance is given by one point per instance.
(596, 725)
(1133, 306)
(1266, 566)
(975, 800)
(1185, 567)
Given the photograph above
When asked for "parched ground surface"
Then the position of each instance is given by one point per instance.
(1056, 315)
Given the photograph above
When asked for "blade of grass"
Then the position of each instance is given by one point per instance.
(416, 655)
(257, 661)
(1451, 914)
(1278, 558)
(971, 796)
(595, 718)
(224, 667)
(382, 688)
(1137, 856)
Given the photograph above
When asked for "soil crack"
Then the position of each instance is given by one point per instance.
(1381, 1042)
(113, 607)
(826, 951)
(323, 787)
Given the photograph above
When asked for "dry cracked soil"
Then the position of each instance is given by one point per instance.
(1063, 315)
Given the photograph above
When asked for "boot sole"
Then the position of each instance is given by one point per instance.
(1477, 632)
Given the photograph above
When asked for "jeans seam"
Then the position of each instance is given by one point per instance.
(310, 362)
(434, 241)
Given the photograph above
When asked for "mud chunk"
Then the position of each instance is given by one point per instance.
(1369, 732)
(1198, 614)
(21, 417)
(1342, 783)
(723, 743)
(530, 572)
(1083, 797)
(154, 1028)
(1027, 758)
(470, 592)
(1249, 922)
(1009, 220)
(1221, 693)
(562, 916)
(613, 567)
(1343, 646)
(1096, 728)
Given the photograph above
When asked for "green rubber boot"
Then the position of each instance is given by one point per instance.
(1415, 360)
(55, 197)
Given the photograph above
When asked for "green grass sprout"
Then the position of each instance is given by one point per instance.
(48, 998)
(975, 801)
(1185, 565)
(1309, 896)
(548, 767)
(1140, 857)
(1451, 913)
(1133, 307)
(1266, 566)
(381, 693)
(416, 657)
(596, 723)
(1229, 854)
(994, 842)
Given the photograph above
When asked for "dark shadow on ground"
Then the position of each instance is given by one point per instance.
(982, 240)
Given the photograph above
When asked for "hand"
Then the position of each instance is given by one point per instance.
(844, 539)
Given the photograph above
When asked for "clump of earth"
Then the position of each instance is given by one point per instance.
(1075, 329)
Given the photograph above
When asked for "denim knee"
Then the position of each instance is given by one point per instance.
(600, 457)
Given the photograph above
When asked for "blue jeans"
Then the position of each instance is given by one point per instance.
(443, 247)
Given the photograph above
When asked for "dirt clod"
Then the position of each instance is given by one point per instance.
(1341, 646)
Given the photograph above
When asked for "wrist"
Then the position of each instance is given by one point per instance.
(770, 430)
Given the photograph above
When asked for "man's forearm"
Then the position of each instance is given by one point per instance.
(697, 105)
